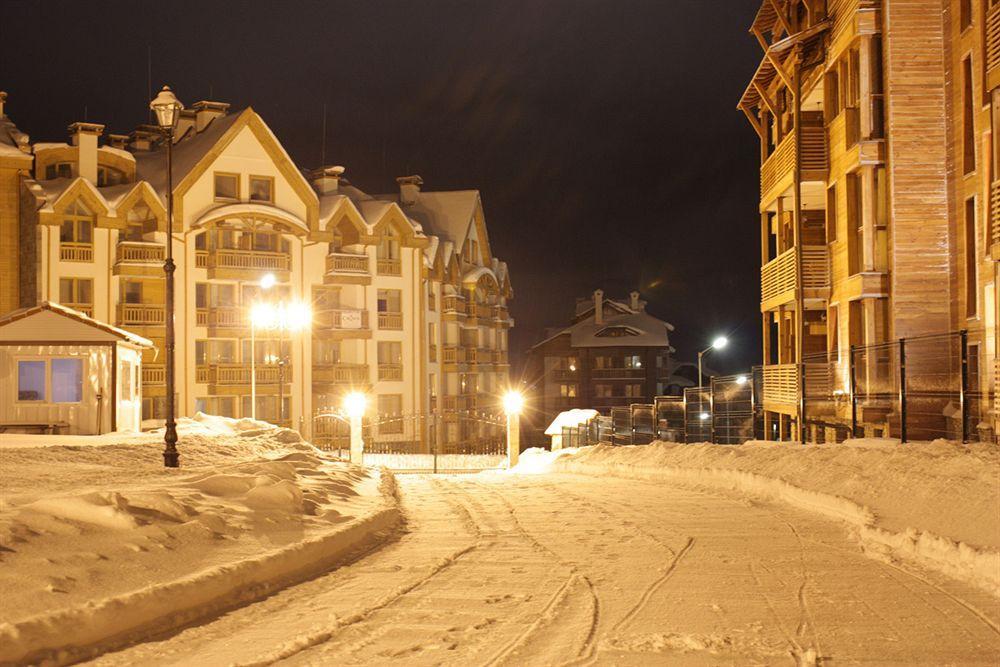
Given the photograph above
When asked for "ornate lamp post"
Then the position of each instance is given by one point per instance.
(717, 344)
(168, 109)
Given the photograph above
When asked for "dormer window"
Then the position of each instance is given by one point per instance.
(59, 170)
(227, 187)
(109, 176)
(262, 189)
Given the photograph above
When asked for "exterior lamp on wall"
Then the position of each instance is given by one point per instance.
(168, 108)
(717, 344)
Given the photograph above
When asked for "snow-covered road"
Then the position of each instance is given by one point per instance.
(556, 568)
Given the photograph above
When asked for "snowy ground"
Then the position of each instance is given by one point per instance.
(99, 541)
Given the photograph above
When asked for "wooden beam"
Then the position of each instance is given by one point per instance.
(771, 106)
(787, 80)
(753, 121)
(781, 17)
(760, 39)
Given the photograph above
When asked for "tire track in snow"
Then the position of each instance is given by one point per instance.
(651, 589)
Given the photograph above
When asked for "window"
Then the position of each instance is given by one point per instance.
(971, 275)
(77, 225)
(67, 380)
(390, 405)
(227, 186)
(831, 213)
(602, 390)
(965, 14)
(633, 361)
(390, 301)
(388, 245)
(217, 351)
(633, 390)
(132, 291)
(125, 380)
(31, 380)
(616, 332)
(76, 291)
(261, 188)
(59, 170)
(139, 224)
(224, 406)
(201, 241)
(267, 407)
(567, 390)
(390, 352)
(109, 176)
(855, 224)
(602, 361)
(326, 352)
(432, 333)
(267, 351)
(201, 295)
(968, 128)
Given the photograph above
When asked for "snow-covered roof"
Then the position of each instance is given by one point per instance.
(11, 326)
(448, 214)
(573, 417)
(11, 139)
(638, 329)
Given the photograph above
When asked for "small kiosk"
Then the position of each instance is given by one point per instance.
(62, 371)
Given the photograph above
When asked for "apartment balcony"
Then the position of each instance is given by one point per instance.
(390, 372)
(777, 172)
(234, 378)
(452, 355)
(342, 374)
(347, 268)
(453, 307)
(992, 47)
(221, 319)
(390, 321)
(389, 267)
(471, 355)
(781, 385)
(618, 373)
(500, 358)
(134, 258)
(76, 252)
(154, 375)
(141, 314)
(339, 323)
(231, 264)
(778, 278)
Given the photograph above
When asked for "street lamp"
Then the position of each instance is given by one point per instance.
(168, 109)
(292, 317)
(513, 404)
(717, 344)
(355, 404)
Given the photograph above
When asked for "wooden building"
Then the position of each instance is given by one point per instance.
(612, 354)
(878, 207)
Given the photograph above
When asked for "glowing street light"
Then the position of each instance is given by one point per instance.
(741, 379)
(268, 281)
(293, 316)
(717, 344)
(355, 403)
(513, 404)
(703, 416)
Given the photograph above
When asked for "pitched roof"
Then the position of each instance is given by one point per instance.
(447, 214)
(645, 330)
(76, 315)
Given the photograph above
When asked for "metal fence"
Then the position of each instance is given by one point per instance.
(732, 401)
(698, 414)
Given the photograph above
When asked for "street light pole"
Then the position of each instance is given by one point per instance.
(168, 109)
(717, 344)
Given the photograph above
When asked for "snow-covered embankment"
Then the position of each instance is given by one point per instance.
(101, 545)
(933, 504)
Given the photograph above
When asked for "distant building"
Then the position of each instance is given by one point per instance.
(409, 303)
(612, 354)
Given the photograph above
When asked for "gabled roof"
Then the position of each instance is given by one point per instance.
(447, 214)
(645, 330)
(75, 315)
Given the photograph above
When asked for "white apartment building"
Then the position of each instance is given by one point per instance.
(409, 304)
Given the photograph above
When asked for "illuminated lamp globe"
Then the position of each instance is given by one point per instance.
(355, 404)
(513, 402)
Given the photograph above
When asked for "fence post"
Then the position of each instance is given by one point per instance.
(962, 397)
(902, 390)
(852, 384)
(711, 410)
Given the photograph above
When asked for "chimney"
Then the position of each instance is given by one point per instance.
(326, 180)
(598, 306)
(119, 141)
(145, 137)
(634, 300)
(185, 121)
(84, 136)
(409, 188)
(206, 111)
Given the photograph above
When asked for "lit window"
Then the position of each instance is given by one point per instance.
(227, 186)
(31, 380)
(67, 380)
(567, 390)
(261, 188)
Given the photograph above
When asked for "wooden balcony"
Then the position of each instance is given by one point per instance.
(618, 373)
(221, 318)
(453, 307)
(452, 355)
(247, 264)
(229, 378)
(346, 322)
(992, 47)
(141, 314)
(85, 308)
(133, 258)
(154, 374)
(346, 374)
(781, 384)
(776, 174)
(392, 321)
(389, 267)
(347, 268)
(390, 372)
(76, 252)
(778, 284)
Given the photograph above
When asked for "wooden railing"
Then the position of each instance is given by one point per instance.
(340, 373)
(390, 371)
(225, 258)
(201, 259)
(341, 262)
(76, 252)
(85, 308)
(781, 384)
(995, 210)
(154, 374)
(141, 313)
(390, 321)
(471, 355)
(453, 304)
(778, 276)
(239, 374)
(992, 43)
(342, 319)
(452, 354)
(389, 267)
(134, 252)
(227, 317)
(812, 157)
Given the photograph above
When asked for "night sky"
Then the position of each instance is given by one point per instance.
(603, 135)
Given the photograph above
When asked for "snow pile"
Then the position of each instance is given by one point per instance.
(100, 544)
(936, 504)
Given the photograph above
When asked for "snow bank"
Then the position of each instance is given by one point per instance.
(102, 545)
(934, 504)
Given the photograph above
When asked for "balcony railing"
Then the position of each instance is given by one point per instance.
(781, 382)
(453, 304)
(620, 373)
(254, 260)
(223, 317)
(472, 355)
(85, 308)
(778, 277)
(340, 373)
(154, 374)
(812, 156)
(390, 371)
(389, 267)
(993, 45)
(76, 252)
(134, 252)
(452, 354)
(201, 259)
(390, 321)
(341, 262)
(343, 319)
(141, 314)
(230, 374)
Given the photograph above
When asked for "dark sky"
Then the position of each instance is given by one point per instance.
(603, 135)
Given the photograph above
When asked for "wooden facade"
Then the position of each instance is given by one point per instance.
(878, 202)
